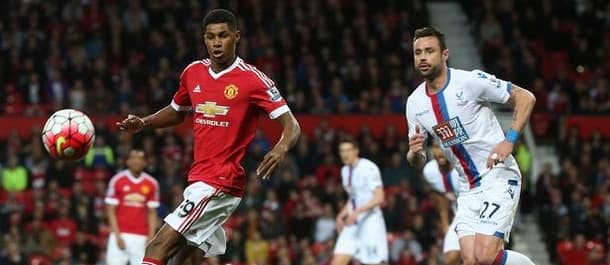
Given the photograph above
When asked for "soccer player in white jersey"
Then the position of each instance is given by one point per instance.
(444, 179)
(454, 106)
(360, 222)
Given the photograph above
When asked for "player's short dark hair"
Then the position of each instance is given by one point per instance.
(349, 140)
(431, 32)
(217, 16)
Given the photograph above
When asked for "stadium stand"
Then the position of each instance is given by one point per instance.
(109, 57)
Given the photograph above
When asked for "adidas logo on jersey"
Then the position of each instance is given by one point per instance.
(197, 89)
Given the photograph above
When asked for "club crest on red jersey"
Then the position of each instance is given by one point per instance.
(231, 91)
(145, 189)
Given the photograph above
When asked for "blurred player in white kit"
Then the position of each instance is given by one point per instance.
(362, 232)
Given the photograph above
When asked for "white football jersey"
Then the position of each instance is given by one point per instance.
(459, 116)
(360, 182)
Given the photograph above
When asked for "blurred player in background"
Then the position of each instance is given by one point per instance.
(227, 97)
(132, 200)
(444, 179)
(362, 232)
(454, 106)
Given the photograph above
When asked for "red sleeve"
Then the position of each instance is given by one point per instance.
(153, 196)
(111, 194)
(182, 99)
(266, 96)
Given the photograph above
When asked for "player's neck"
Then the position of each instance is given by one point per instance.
(135, 174)
(436, 83)
(220, 66)
(354, 163)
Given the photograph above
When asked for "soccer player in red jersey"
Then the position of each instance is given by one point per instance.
(226, 96)
(132, 200)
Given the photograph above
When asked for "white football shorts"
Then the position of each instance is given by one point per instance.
(451, 241)
(135, 246)
(200, 216)
(490, 208)
(366, 240)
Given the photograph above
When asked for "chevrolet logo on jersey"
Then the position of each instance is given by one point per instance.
(210, 109)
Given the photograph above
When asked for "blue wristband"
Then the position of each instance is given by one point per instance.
(512, 136)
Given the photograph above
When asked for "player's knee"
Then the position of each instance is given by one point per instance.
(469, 260)
(485, 257)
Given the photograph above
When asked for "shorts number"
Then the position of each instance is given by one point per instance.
(186, 208)
(485, 206)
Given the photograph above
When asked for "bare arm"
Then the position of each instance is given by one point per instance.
(290, 134)
(166, 117)
(524, 101)
(345, 210)
(416, 155)
(152, 222)
(114, 225)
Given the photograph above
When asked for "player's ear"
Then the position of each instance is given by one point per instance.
(237, 36)
(446, 54)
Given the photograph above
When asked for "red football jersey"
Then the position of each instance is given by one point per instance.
(132, 197)
(226, 107)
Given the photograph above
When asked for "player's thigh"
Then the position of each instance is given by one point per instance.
(346, 244)
(135, 246)
(115, 255)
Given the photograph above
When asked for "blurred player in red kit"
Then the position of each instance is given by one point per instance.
(226, 96)
(132, 200)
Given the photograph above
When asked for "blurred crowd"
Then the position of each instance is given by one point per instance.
(109, 56)
(328, 57)
(556, 49)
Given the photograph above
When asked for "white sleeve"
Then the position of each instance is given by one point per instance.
(488, 88)
(375, 177)
(412, 122)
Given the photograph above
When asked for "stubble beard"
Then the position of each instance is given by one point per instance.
(432, 74)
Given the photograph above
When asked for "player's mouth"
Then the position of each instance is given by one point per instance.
(424, 67)
(217, 53)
